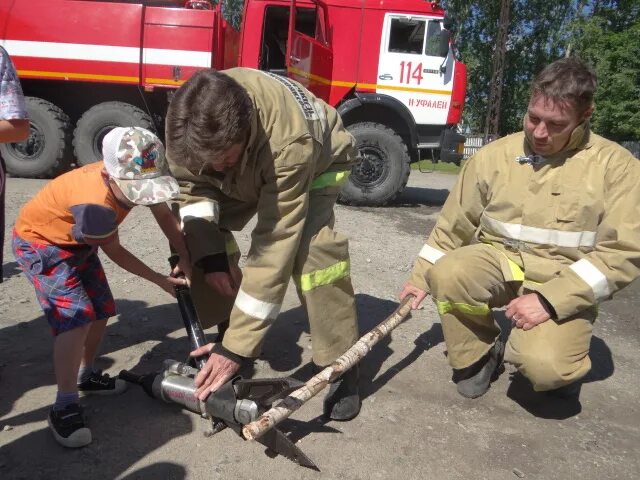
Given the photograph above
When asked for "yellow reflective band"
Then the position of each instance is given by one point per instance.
(516, 271)
(231, 247)
(446, 307)
(326, 276)
(329, 179)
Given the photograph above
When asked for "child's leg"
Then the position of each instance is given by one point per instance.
(93, 340)
(68, 349)
(64, 301)
(91, 345)
(94, 280)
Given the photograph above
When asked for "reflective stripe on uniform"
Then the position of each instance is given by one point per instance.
(446, 307)
(231, 247)
(545, 236)
(203, 209)
(593, 277)
(430, 254)
(326, 276)
(516, 271)
(329, 179)
(257, 308)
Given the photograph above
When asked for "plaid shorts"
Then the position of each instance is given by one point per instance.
(70, 283)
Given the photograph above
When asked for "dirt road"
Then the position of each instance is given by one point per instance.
(413, 424)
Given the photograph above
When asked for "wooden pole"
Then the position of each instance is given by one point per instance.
(315, 384)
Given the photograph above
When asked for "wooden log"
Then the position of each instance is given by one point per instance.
(315, 384)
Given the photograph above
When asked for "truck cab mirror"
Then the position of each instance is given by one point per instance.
(445, 39)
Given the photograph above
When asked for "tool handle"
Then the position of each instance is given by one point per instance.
(131, 377)
(145, 381)
(189, 316)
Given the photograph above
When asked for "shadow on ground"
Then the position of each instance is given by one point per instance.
(10, 269)
(143, 423)
(413, 197)
(131, 416)
(371, 311)
(416, 196)
(544, 405)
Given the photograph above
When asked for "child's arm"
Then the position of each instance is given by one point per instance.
(171, 228)
(125, 259)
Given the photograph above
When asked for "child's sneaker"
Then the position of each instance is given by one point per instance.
(68, 428)
(101, 384)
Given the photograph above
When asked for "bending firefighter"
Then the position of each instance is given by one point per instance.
(243, 142)
(544, 222)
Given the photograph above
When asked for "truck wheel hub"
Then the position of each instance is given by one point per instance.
(32, 147)
(373, 167)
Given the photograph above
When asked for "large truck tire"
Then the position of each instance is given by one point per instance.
(45, 153)
(96, 122)
(384, 168)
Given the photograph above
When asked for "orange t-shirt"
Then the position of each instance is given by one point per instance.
(71, 210)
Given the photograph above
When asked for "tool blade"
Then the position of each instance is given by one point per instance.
(278, 442)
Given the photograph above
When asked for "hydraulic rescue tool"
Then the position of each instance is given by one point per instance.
(252, 407)
(235, 404)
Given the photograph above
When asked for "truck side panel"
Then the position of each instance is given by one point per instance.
(82, 46)
(177, 43)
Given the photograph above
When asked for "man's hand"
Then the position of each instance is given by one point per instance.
(527, 311)
(183, 268)
(169, 283)
(218, 370)
(409, 289)
(223, 283)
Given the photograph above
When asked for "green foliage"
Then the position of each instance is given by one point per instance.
(442, 167)
(606, 33)
(610, 41)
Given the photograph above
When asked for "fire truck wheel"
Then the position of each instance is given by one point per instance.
(384, 169)
(96, 122)
(45, 152)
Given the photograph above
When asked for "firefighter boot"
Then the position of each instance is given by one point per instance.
(343, 400)
(474, 380)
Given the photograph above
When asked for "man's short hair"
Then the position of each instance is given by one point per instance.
(568, 80)
(207, 115)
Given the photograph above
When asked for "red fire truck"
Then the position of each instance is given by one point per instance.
(388, 66)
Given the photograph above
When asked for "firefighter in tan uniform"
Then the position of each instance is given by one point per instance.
(242, 142)
(545, 222)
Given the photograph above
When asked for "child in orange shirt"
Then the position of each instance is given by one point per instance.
(55, 241)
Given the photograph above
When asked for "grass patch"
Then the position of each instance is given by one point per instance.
(441, 167)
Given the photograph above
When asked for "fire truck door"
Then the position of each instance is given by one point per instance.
(411, 70)
(309, 56)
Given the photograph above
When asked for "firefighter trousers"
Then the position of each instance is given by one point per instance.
(468, 283)
(321, 273)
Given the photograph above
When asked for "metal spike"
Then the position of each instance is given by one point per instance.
(278, 442)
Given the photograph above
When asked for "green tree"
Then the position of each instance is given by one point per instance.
(534, 40)
(609, 39)
(602, 32)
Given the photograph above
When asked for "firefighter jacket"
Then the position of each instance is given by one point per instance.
(297, 143)
(572, 221)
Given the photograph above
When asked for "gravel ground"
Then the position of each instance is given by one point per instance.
(413, 425)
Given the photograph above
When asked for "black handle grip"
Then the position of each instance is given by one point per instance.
(192, 325)
(145, 381)
(189, 316)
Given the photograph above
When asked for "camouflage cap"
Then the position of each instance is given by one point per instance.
(134, 158)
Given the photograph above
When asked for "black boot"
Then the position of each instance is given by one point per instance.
(474, 381)
(343, 400)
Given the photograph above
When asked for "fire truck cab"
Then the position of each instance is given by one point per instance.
(87, 66)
